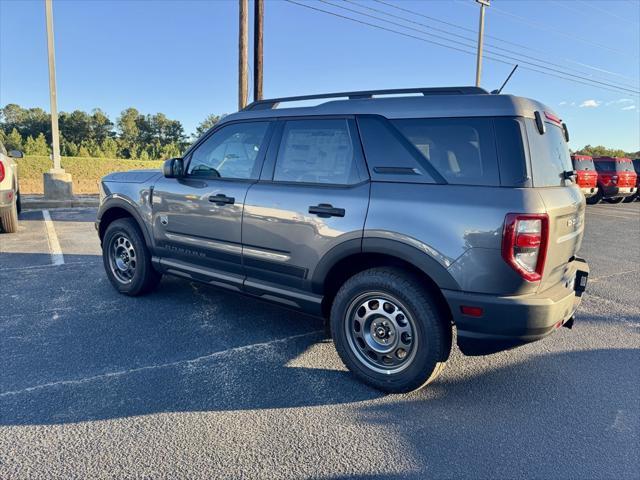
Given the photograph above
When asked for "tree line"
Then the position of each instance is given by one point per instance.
(600, 151)
(132, 135)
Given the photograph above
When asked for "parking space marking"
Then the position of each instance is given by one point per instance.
(54, 245)
(190, 361)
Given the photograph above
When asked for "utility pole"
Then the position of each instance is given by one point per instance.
(483, 4)
(258, 21)
(57, 183)
(243, 54)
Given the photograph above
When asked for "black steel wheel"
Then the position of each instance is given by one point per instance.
(389, 331)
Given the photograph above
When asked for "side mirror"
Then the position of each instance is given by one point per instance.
(173, 168)
(16, 154)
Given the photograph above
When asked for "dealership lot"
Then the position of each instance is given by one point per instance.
(195, 382)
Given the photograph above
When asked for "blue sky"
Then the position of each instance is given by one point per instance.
(180, 57)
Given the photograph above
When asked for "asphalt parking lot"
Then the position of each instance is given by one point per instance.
(195, 382)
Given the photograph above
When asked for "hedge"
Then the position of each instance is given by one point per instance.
(85, 171)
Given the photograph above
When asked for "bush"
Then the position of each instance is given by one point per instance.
(86, 171)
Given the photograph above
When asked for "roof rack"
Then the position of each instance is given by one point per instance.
(268, 104)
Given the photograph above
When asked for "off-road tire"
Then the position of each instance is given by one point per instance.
(614, 200)
(144, 277)
(9, 218)
(432, 328)
(594, 199)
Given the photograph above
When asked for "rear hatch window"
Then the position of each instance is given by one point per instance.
(580, 164)
(550, 156)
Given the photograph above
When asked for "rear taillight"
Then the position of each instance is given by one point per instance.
(1, 171)
(524, 243)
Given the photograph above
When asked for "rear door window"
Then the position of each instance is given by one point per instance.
(550, 156)
(462, 150)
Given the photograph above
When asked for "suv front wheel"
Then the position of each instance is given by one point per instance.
(126, 258)
(388, 330)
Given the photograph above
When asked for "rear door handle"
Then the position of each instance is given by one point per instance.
(222, 199)
(326, 210)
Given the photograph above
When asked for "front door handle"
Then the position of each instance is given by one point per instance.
(222, 199)
(326, 210)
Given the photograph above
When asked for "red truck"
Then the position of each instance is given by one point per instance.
(587, 176)
(616, 179)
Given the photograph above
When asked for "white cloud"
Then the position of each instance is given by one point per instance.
(629, 107)
(620, 101)
(590, 104)
(563, 103)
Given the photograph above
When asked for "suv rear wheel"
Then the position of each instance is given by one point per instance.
(614, 200)
(388, 330)
(9, 218)
(127, 260)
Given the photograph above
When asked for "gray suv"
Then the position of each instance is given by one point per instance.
(397, 217)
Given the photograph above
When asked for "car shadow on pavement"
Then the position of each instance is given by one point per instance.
(244, 378)
(488, 425)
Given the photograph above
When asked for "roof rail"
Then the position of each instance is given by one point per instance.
(268, 104)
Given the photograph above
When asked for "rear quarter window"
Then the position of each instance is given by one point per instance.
(549, 154)
(462, 150)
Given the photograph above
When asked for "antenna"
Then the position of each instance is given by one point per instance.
(497, 92)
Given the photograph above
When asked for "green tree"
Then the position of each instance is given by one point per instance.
(209, 122)
(67, 148)
(109, 147)
(101, 127)
(75, 126)
(83, 152)
(37, 146)
(170, 150)
(13, 141)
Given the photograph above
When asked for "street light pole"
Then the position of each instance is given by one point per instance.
(483, 4)
(55, 135)
(57, 183)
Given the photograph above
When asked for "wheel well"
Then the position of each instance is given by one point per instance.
(349, 266)
(109, 216)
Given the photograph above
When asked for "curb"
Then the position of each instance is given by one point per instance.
(38, 202)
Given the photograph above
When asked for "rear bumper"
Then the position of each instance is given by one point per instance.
(6, 198)
(614, 192)
(509, 322)
(589, 191)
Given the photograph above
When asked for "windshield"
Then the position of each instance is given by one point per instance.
(583, 165)
(611, 166)
(550, 156)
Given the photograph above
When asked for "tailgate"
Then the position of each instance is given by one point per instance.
(566, 209)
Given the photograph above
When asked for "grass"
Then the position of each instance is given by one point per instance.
(85, 171)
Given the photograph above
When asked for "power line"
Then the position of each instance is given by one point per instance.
(607, 12)
(509, 57)
(550, 29)
(520, 45)
(574, 80)
(465, 38)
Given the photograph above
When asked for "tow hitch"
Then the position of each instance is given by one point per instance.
(569, 323)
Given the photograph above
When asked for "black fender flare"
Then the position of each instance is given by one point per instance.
(127, 205)
(393, 248)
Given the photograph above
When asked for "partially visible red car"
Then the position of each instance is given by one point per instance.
(587, 176)
(616, 179)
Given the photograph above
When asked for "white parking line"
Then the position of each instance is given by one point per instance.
(54, 246)
(223, 353)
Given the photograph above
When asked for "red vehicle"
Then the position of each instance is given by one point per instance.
(587, 176)
(635, 196)
(616, 179)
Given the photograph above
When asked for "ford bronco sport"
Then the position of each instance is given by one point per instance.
(396, 217)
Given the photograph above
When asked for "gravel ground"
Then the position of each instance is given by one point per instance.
(195, 382)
